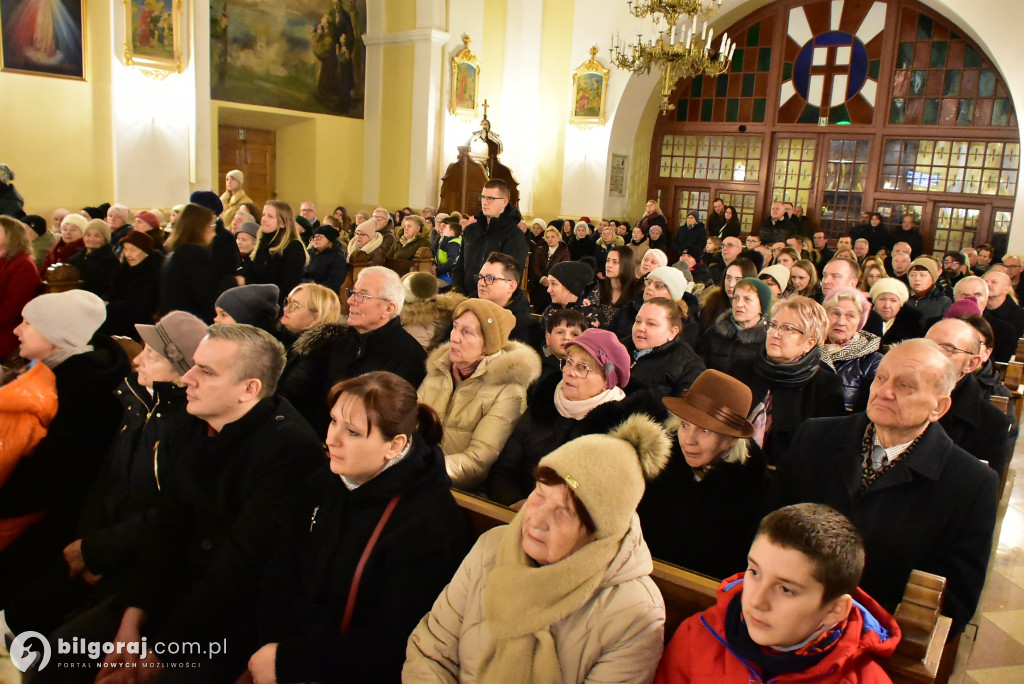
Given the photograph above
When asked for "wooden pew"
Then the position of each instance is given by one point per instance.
(61, 278)
(919, 658)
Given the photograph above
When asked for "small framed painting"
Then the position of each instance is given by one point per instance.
(465, 83)
(43, 37)
(153, 34)
(589, 92)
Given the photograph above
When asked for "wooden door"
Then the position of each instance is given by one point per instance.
(252, 151)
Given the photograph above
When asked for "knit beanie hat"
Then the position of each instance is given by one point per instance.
(764, 293)
(606, 349)
(673, 278)
(149, 217)
(100, 227)
(890, 286)
(860, 298)
(928, 264)
(328, 231)
(495, 322)
(607, 472)
(659, 256)
(36, 223)
(207, 199)
(175, 337)
(779, 273)
(139, 239)
(419, 286)
(75, 220)
(368, 226)
(237, 175)
(249, 228)
(251, 304)
(67, 320)
(575, 276)
(968, 306)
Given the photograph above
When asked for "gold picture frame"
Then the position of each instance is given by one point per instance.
(45, 40)
(465, 87)
(589, 93)
(153, 36)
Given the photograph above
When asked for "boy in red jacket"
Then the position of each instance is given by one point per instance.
(795, 614)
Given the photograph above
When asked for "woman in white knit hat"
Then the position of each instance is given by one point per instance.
(562, 593)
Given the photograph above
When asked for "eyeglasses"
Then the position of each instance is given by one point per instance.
(379, 218)
(953, 351)
(295, 305)
(655, 283)
(359, 297)
(490, 198)
(581, 370)
(489, 279)
(781, 329)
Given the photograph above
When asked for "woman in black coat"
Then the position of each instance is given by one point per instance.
(543, 258)
(585, 398)
(96, 261)
(737, 337)
(319, 620)
(792, 379)
(135, 286)
(187, 282)
(662, 362)
(889, 318)
(328, 265)
(701, 511)
(279, 257)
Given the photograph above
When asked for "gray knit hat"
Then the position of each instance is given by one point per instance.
(252, 304)
(249, 228)
(175, 337)
(67, 320)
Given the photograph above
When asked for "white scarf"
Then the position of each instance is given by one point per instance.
(577, 410)
(373, 244)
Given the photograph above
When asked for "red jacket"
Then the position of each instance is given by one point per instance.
(698, 650)
(19, 281)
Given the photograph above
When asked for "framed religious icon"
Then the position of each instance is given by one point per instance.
(45, 38)
(465, 83)
(589, 93)
(153, 35)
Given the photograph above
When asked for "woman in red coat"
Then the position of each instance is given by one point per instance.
(19, 281)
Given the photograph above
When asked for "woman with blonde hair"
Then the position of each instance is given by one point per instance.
(279, 257)
(803, 277)
(871, 272)
(653, 216)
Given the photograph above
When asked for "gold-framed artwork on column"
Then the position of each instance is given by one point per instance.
(589, 93)
(153, 36)
(465, 85)
(43, 38)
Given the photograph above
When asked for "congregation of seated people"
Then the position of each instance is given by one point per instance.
(242, 425)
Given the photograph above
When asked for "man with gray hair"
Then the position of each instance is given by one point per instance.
(971, 422)
(920, 501)
(374, 339)
(196, 575)
(1004, 333)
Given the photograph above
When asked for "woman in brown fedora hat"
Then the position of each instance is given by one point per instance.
(700, 511)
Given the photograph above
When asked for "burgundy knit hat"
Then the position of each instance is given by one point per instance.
(606, 349)
(139, 239)
(968, 306)
(149, 217)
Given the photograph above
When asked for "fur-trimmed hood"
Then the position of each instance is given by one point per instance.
(725, 327)
(516, 363)
(317, 337)
(429, 311)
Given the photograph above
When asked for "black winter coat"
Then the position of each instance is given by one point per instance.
(388, 348)
(187, 282)
(304, 382)
(690, 240)
(199, 569)
(706, 526)
(307, 584)
(665, 371)
(96, 269)
(1005, 336)
(907, 325)
(542, 429)
(1011, 313)
(726, 348)
(134, 296)
(526, 330)
(482, 237)
(911, 237)
(328, 268)
(283, 269)
(978, 427)
(931, 307)
(622, 323)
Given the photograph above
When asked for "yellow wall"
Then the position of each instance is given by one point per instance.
(396, 126)
(640, 158)
(55, 133)
(554, 103)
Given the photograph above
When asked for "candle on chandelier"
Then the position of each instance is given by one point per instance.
(672, 35)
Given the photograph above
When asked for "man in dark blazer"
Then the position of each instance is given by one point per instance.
(920, 501)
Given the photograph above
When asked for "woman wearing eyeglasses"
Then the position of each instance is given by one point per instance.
(367, 240)
(586, 398)
(853, 351)
(792, 379)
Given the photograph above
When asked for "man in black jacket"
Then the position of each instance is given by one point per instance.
(499, 282)
(920, 501)
(496, 229)
(197, 575)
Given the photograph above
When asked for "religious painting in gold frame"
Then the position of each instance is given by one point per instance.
(465, 83)
(43, 38)
(589, 93)
(153, 35)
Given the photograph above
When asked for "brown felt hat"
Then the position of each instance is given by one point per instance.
(716, 402)
(495, 322)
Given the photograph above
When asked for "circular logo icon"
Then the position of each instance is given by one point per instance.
(22, 654)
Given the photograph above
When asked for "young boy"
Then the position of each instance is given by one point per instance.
(795, 614)
(564, 326)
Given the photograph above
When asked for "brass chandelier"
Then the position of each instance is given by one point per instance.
(679, 49)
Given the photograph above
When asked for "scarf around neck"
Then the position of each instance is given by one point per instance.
(793, 374)
(373, 244)
(578, 409)
(522, 601)
(861, 344)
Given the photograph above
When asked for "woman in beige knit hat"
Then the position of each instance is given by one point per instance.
(562, 593)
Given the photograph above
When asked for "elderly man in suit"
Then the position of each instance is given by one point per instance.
(920, 501)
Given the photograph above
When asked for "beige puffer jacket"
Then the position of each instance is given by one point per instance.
(616, 636)
(478, 417)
